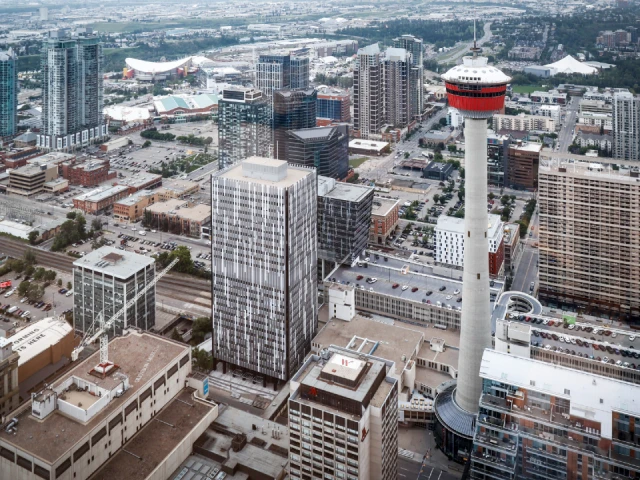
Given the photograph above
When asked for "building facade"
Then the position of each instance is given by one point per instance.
(104, 281)
(244, 126)
(264, 249)
(292, 110)
(415, 47)
(523, 123)
(9, 391)
(396, 72)
(333, 105)
(131, 208)
(99, 201)
(8, 93)
(343, 418)
(89, 174)
(540, 420)
(368, 101)
(384, 219)
(344, 219)
(324, 148)
(276, 71)
(626, 126)
(450, 235)
(497, 154)
(589, 226)
(522, 166)
(72, 91)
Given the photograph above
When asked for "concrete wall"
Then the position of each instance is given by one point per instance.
(46, 357)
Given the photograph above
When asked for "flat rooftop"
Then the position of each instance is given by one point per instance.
(139, 180)
(39, 336)
(456, 225)
(156, 440)
(197, 213)
(421, 276)
(140, 356)
(178, 185)
(122, 264)
(589, 167)
(348, 192)
(97, 196)
(382, 206)
(367, 144)
(236, 172)
(168, 206)
(133, 198)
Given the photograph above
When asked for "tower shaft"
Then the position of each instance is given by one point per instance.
(475, 330)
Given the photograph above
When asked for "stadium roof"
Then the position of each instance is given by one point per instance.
(156, 67)
(570, 65)
(186, 102)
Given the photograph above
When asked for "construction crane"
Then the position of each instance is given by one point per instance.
(92, 335)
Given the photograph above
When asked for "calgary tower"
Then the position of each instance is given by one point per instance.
(477, 90)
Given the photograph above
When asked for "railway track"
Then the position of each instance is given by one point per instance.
(178, 287)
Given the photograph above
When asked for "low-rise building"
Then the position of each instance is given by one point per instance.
(524, 122)
(597, 141)
(553, 97)
(57, 186)
(177, 216)
(440, 171)
(384, 219)
(29, 180)
(89, 174)
(552, 111)
(185, 106)
(359, 146)
(72, 427)
(9, 393)
(450, 235)
(141, 181)
(100, 200)
(522, 165)
(602, 122)
(176, 188)
(131, 208)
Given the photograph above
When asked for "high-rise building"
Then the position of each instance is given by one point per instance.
(522, 165)
(543, 420)
(71, 91)
(396, 68)
(414, 46)
(343, 418)
(589, 226)
(244, 125)
(626, 126)
(334, 105)
(264, 248)
(44, 14)
(325, 148)
(104, 280)
(477, 90)
(497, 154)
(275, 71)
(8, 93)
(344, 219)
(368, 93)
(292, 110)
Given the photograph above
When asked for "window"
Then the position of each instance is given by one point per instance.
(101, 433)
(41, 472)
(63, 467)
(80, 452)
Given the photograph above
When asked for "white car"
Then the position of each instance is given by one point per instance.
(373, 280)
(9, 293)
(24, 300)
(456, 291)
(449, 297)
(405, 287)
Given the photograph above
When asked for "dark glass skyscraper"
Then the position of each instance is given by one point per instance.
(325, 148)
(292, 110)
(8, 93)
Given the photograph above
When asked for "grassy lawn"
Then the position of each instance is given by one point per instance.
(356, 162)
(528, 88)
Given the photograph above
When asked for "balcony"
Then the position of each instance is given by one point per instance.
(630, 462)
(506, 465)
(504, 444)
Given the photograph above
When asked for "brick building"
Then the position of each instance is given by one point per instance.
(131, 208)
(88, 174)
(98, 201)
(176, 216)
(522, 166)
(141, 181)
(384, 219)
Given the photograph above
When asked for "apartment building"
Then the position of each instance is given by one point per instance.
(600, 122)
(596, 106)
(368, 100)
(324, 148)
(523, 123)
(522, 165)
(29, 180)
(589, 231)
(244, 125)
(104, 281)
(333, 105)
(450, 234)
(276, 71)
(396, 71)
(415, 47)
(553, 97)
(292, 110)
(9, 391)
(72, 93)
(8, 93)
(626, 126)
(497, 154)
(384, 219)
(264, 249)
(131, 209)
(343, 418)
(344, 219)
(540, 420)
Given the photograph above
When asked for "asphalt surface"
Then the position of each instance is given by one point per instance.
(446, 57)
(566, 133)
(413, 470)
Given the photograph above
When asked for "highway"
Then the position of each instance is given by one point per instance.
(448, 57)
(566, 133)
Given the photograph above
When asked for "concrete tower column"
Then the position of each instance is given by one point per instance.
(475, 330)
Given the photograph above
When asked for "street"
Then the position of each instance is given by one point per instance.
(527, 270)
(414, 470)
(448, 57)
(566, 133)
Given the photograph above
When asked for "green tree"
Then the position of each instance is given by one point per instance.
(491, 196)
(71, 215)
(96, 225)
(29, 257)
(17, 266)
(505, 200)
(436, 198)
(175, 335)
(60, 282)
(146, 144)
(203, 360)
(36, 292)
(50, 275)
(185, 263)
(443, 121)
(28, 271)
(23, 288)
(33, 236)
(69, 286)
(39, 274)
(452, 148)
(201, 326)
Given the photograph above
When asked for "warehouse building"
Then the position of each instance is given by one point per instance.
(99, 200)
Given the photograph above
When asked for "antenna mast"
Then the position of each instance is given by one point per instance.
(475, 48)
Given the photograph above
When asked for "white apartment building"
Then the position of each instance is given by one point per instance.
(604, 121)
(450, 239)
(368, 94)
(626, 126)
(523, 123)
(551, 111)
(343, 418)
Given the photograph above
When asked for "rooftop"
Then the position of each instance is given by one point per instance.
(264, 171)
(367, 144)
(134, 198)
(170, 205)
(589, 167)
(476, 70)
(456, 225)
(54, 437)
(99, 194)
(156, 440)
(119, 263)
(330, 188)
(39, 336)
(383, 206)
(178, 186)
(140, 180)
(30, 170)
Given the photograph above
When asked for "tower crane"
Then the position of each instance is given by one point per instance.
(92, 334)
